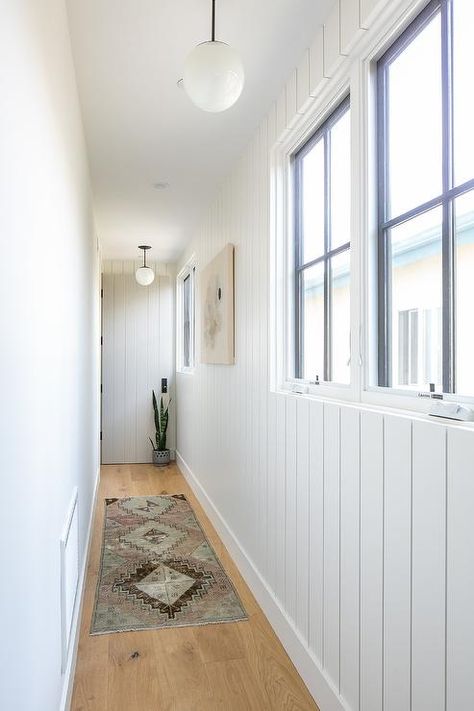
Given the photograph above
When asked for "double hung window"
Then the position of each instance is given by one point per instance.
(426, 203)
(186, 320)
(322, 174)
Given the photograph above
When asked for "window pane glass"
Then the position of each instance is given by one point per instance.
(313, 322)
(414, 122)
(341, 181)
(463, 24)
(187, 322)
(464, 214)
(313, 202)
(416, 270)
(341, 317)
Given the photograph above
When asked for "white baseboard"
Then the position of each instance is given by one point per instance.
(69, 672)
(318, 684)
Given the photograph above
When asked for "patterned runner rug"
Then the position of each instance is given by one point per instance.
(158, 569)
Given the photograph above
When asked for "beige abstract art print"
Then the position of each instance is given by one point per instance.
(217, 309)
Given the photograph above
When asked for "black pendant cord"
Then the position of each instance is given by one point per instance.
(213, 24)
(144, 248)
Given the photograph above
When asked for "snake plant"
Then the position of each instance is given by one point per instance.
(161, 423)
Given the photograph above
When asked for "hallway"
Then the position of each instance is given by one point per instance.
(237, 275)
(232, 666)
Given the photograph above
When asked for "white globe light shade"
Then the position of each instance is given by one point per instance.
(144, 276)
(213, 76)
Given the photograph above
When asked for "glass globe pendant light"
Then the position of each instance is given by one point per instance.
(213, 76)
(144, 275)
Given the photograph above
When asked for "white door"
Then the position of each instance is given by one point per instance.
(137, 352)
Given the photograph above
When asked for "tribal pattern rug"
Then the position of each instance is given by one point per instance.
(158, 569)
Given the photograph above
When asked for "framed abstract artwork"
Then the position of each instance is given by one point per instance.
(217, 309)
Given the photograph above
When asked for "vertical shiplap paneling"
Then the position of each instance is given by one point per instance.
(302, 517)
(350, 24)
(429, 567)
(161, 352)
(118, 345)
(368, 9)
(371, 562)
(397, 563)
(350, 548)
(261, 178)
(272, 522)
(332, 42)
(280, 476)
(317, 77)
(140, 420)
(290, 506)
(281, 115)
(248, 448)
(107, 373)
(303, 98)
(331, 541)
(291, 99)
(460, 572)
(316, 527)
(137, 352)
(130, 390)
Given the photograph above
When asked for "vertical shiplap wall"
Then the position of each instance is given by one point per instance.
(137, 351)
(358, 522)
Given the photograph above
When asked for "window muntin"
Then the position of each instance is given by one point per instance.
(422, 180)
(322, 252)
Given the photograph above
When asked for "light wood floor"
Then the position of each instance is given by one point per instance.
(227, 667)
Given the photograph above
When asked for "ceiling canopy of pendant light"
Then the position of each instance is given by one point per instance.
(213, 75)
(144, 275)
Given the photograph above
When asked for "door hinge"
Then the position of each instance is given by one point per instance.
(101, 435)
(101, 293)
(101, 391)
(101, 340)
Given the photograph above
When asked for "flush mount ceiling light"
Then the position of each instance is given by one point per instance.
(144, 275)
(213, 75)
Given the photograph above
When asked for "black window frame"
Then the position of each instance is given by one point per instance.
(188, 280)
(445, 200)
(322, 133)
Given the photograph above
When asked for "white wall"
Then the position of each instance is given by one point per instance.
(49, 334)
(138, 350)
(352, 525)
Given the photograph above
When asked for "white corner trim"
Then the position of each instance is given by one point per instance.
(70, 669)
(318, 684)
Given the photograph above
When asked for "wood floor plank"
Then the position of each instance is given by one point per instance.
(183, 668)
(91, 682)
(227, 667)
(218, 643)
(135, 680)
(274, 669)
(235, 687)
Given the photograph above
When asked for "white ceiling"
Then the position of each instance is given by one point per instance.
(142, 129)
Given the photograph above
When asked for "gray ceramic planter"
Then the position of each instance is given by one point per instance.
(161, 457)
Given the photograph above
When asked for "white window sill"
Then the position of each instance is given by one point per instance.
(185, 371)
(377, 400)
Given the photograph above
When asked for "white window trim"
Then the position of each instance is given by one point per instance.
(189, 269)
(356, 76)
